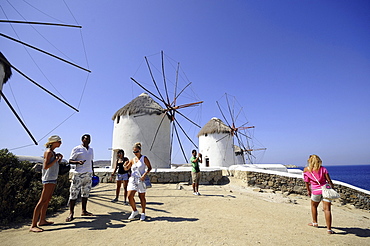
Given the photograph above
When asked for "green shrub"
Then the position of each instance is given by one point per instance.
(21, 189)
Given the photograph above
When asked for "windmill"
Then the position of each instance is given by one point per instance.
(232, 113)
(171, 108)
(10, 66)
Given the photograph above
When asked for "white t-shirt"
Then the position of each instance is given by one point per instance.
(80, 153)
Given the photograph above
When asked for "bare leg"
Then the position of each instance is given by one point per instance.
(44, 208)
(72, 204)
(118, 189)
(47, 189)
(131, 199)
(197, 187)
(84, 205)
(314, 206)
(194, 187)
(142, 202)
(125, 183)
(327, 211)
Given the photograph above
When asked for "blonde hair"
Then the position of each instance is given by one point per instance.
(314, 162)
(51, 140)
(137, 145)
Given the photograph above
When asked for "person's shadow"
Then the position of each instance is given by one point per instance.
(98, 222)
(359, 232)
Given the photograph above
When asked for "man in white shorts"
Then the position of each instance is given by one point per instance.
(82, 156)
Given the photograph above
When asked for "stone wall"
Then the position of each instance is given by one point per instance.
(292, 183)
(171, 176)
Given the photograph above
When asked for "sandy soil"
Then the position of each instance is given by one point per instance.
(229, 214)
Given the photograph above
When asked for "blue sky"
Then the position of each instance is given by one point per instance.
(299, 69)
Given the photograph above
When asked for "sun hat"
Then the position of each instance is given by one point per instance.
(53, 139)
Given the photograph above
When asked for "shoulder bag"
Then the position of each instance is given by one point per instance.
(327, 191)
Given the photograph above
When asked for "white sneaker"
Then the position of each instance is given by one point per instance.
(133, 215)
(195, 194)
(142, 217)
(198, 194)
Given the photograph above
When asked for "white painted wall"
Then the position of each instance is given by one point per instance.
(221, 153)
(131, 129)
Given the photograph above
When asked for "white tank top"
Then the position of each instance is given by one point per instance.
(138, 168)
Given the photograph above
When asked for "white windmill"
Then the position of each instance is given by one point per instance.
(223, 143)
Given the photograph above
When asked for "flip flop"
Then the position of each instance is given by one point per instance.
(331, 232)
(313, 224)
(39, 229)
(87, 214)
(69, 219)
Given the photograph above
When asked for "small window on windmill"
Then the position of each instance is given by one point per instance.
(207, 162)
(118, 118)
(206, 135)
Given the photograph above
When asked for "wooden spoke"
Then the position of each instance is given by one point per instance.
(39, 23)
(164, 79)
(222, 138)
(145, 89)
(174, 101)
(155, 83)
(182, 129)
(178, 139)
(245, 135)
(38, 85)
(47, 53)
(222, 114)
(237, 116)
(231, 115)
(156, 132)
(176, 83)
(187, 118)
(18, 118)
(245, 127)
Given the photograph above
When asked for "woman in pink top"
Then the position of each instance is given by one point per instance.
(314, 171)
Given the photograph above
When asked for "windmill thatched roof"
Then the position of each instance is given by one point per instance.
(7, 70)
(215, 125)
(143, 104)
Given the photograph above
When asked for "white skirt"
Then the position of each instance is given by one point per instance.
(134, 183)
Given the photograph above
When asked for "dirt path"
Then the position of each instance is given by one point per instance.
(223, 215)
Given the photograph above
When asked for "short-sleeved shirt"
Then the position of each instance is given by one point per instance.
(194, 164)
(320, 176)
(80, 153)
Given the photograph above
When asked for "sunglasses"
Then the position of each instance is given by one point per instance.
(137, 151)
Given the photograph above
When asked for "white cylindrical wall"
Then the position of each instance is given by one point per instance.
(142, 128)
(218, 148)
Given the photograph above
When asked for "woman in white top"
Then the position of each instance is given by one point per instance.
(49, 180)
(140, 167)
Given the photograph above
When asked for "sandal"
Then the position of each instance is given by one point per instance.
(313, 224)
(331, 232)
(36, 229)
(70, 218)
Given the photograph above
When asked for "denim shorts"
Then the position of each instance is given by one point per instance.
(49, 182)
(318, 198)
(121, 177)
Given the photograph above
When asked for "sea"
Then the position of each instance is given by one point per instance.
(356, 175)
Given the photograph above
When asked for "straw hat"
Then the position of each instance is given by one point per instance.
(53, 139)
